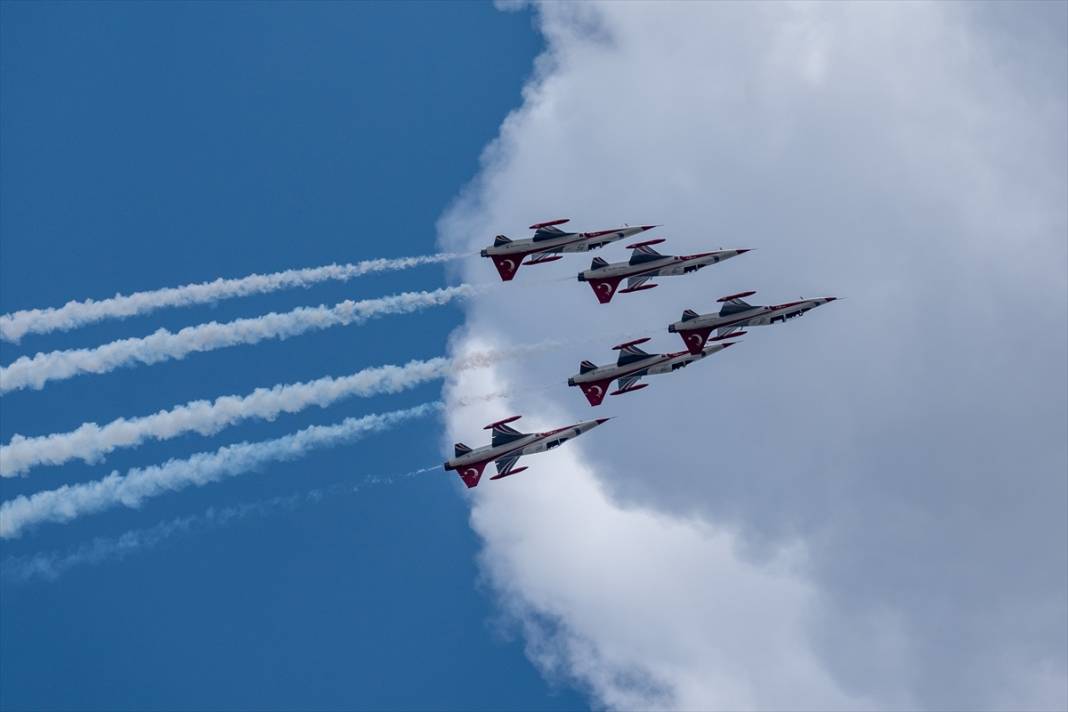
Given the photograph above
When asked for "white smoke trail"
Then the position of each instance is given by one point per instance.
(72, 501)
(74, 314)
(52, 565)
(27, 372)
(91, 442)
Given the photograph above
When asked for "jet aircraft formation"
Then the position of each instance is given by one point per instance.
(548, 244)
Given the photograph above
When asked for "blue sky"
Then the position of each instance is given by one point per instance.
(152, 145)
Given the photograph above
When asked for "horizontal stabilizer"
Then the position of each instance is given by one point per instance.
(461, 449)
(689, 314)
(587, 366)
(598, 263)
(501, 240)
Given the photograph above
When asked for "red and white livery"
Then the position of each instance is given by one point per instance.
(736, 313)
(548, 243)
(507, 445)
(644, 264)
(630, 367)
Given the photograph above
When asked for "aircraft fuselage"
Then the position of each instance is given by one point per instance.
(694, 332)
(564, 243)
(529, 444)
(665, 266)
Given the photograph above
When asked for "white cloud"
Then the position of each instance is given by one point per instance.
(882, 484)
(644, 609)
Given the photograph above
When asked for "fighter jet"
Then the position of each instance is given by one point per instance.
(547, 244)
(507, 445)
(633, 363)
(644, 264)
(735, 313)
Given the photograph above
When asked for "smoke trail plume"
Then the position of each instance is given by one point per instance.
(74, 314)
(52, 565)
(91, 442)
(34, 372)
(138, 484)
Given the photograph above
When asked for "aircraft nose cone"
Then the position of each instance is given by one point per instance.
(744, 250)
(602, 420)
(831, 299)
(648, 227)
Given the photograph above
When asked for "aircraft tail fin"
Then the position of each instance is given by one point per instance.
(472, 474)
(507, 266)
(595, 392)
(695, 339)
(604, 288)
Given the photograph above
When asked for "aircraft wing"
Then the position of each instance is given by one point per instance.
(637, 284)
(542, 257)
(626, 382)
(726, 331)
(506, 466)
(547, 232)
